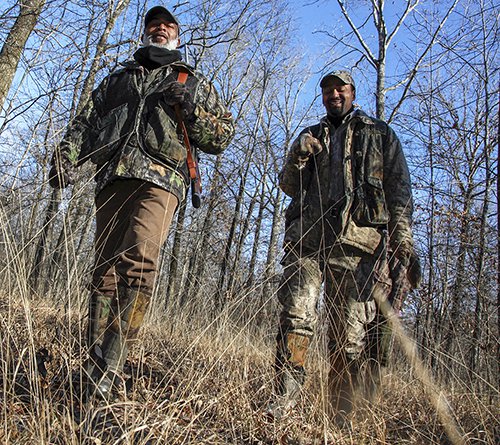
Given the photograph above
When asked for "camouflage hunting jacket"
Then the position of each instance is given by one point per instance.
(128, 131)
(376, 194)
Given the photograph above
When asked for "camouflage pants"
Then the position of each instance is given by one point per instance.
(353, 282)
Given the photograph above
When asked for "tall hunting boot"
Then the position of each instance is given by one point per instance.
(128, 316)
(343, 381)
(98, 314)
(291, 350)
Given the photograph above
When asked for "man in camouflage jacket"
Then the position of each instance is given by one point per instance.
(129, 131)
(351, 204)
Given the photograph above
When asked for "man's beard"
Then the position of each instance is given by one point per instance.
(170, 44)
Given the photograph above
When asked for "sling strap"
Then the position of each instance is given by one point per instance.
(194, 172)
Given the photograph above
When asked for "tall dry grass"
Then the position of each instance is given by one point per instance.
(196, 380)
(199, 379)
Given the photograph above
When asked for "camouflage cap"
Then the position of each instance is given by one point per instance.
(342, 75)
(157, 10)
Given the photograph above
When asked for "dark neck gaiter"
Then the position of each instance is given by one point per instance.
(151, 57)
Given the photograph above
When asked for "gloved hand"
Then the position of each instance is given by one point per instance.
(177, 93)
(307, 146)
(62, 173)
(409, 259)
(414, 272)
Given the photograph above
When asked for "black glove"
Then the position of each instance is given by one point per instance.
(306, 146)
(62, 173)
(414, 272)
(177, 93)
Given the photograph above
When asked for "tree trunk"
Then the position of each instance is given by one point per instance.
(206, 232)
(14, 44)
(221, 289)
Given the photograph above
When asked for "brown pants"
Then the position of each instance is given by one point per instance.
(132, 222)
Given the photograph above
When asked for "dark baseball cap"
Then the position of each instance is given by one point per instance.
(157, 10)
(342, 75)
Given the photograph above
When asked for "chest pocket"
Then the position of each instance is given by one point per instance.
(370, 207)
(109, 134)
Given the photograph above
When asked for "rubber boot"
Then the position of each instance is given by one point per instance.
(98, 314)
(343, 381)
(127, 317)
(290, 373)
(99, 309)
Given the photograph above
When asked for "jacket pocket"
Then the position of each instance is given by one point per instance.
(371, 207)
(109, 134)
(294, 209)
(362, 237)
(161, 139)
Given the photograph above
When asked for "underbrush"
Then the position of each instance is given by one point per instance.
(193, 381)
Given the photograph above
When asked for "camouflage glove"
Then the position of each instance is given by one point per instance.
(177, 93)
(62, 173)
(409, 259)
(306, 146)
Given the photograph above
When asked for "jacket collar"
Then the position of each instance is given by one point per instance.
(133, 65)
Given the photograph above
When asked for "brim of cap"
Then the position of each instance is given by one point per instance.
(329, 76)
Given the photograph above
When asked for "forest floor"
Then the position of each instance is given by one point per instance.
(193, 385)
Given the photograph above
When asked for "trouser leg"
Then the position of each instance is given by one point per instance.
(380, 342)
(133, 219)
(352, 312)
(346, 349)
(298, 294)
(132, 222)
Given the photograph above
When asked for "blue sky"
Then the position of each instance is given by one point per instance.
(314, 17)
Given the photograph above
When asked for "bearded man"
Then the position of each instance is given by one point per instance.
(130, 131)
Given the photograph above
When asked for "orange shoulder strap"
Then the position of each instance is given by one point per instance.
(194, 173)
(182, 77)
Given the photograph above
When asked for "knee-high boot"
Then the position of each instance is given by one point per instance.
(98, 314)
(291, 350)
(127, 317)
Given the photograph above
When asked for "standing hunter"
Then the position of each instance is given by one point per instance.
(351, 205)
(132, 131)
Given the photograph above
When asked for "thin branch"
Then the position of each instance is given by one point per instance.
(367, 49)
(415, 69)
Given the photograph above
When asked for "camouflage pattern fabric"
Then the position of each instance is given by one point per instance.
(350, 202)
(350, 284)
(129, 131)
(376, 189)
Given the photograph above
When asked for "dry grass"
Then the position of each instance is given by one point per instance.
(195, 383)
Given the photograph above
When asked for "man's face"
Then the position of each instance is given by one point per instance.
(161, 31)
(337, 97)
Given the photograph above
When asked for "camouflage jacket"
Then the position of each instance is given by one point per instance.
(376, 191)
(129, 131)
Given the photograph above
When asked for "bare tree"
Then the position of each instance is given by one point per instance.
(377, 56)
(454, 97)
(12, 49)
